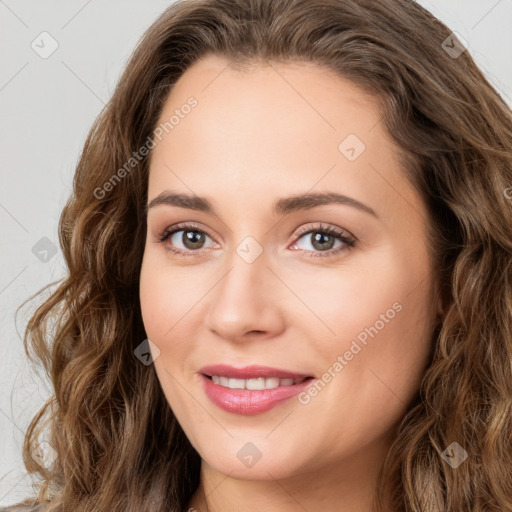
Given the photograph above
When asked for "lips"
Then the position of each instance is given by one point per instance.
(250, 402)
(250, 372)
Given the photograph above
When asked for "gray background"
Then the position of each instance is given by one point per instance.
(47, 107)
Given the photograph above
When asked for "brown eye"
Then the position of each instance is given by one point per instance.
(184, 239)
(192, 239)
(322, 241)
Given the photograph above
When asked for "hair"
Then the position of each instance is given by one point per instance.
(118, 445)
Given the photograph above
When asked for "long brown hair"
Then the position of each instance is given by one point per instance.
(119, 447)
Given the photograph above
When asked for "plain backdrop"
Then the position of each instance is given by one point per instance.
(47, 105)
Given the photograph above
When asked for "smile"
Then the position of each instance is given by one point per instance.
(236, 396)
(254, 384)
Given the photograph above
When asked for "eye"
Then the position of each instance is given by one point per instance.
(324, 240)
(323, 243)
(191, 238)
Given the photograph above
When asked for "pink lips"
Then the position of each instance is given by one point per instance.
(245, 401)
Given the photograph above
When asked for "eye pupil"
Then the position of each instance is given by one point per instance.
(320, 238)
(192, 237)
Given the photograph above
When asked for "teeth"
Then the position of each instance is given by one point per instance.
(254, 384)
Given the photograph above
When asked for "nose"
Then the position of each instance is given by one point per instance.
(248, 302)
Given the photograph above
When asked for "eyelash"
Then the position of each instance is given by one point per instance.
(349, 241)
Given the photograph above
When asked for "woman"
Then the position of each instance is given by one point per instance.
(289, 251)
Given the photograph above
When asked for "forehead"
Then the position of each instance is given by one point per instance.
(289, 126)
(309, 98)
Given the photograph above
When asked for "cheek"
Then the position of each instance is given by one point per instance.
(344, 300)
(377, 312)
(151, 299)
(385, 343)
(171, 301)
(164, 305)
(166, 294)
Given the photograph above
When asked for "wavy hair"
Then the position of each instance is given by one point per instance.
(118, 445)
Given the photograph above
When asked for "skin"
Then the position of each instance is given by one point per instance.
(257, 135)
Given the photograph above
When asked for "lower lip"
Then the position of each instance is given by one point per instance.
(250, 402)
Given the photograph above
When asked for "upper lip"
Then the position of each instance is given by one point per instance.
(250, 372)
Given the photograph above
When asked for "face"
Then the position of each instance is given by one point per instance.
(339, 290)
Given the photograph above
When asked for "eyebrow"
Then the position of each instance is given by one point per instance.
(281, 207)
